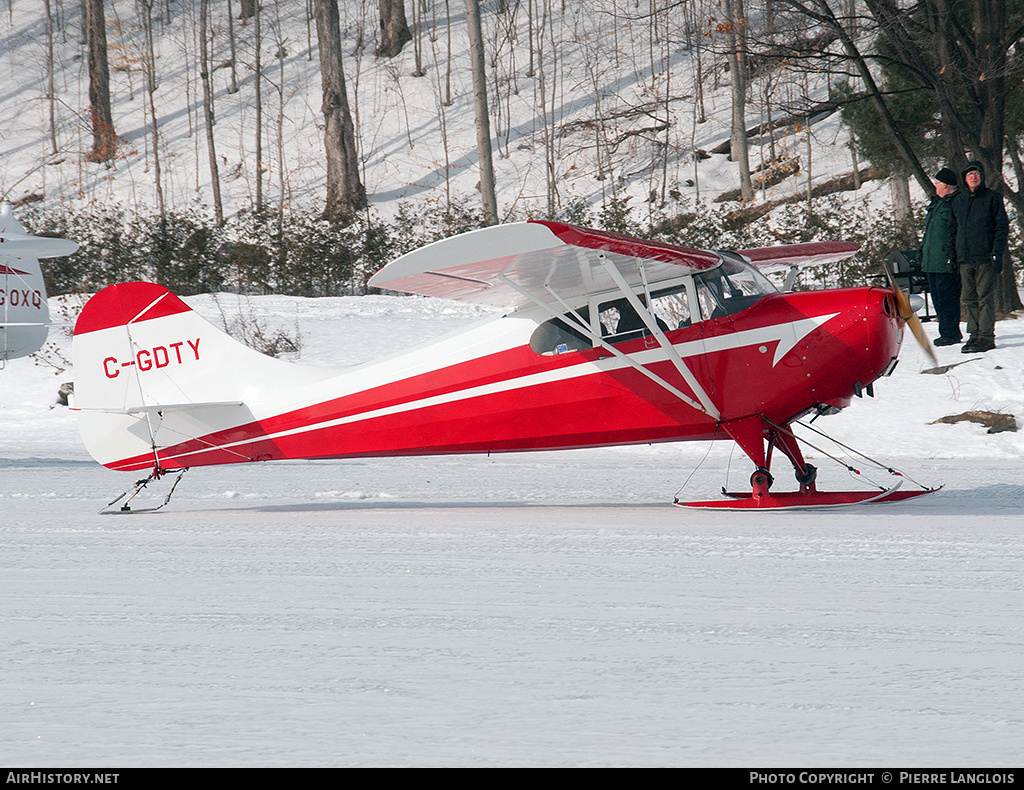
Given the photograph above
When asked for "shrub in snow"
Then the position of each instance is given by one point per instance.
(303, 254)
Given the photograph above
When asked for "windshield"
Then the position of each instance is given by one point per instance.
(731, 287)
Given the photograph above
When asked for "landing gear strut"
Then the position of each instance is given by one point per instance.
(758, 438)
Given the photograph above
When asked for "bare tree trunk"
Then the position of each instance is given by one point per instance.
(309, 31)
(149, 62)
(899, 189)
(234, 56)
(50, 89)
(810, 162)
(204, 73)
(733, 12)
(448, 56)
(541, 89)
(282, 53)
(698, 63)
(258, 46)
(394, 29)
(483, 126)
(442, 119)
(990, 27)
(417, 41)
(345, 192)
(104, 139)
(529, 32)
(544, 76)
(1007, 296)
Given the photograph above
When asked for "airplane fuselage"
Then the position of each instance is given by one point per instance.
(486, 390)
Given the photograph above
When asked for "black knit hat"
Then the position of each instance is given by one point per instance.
(946, 176)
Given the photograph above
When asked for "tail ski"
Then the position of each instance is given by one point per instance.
(151, 374)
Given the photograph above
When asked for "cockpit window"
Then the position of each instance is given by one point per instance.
(620, 321)
(731, 287)
(724, 290)
(560, 335)
(671, 306)
(617, 322)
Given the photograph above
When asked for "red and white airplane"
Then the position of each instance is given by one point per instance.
(24, 313)
(605, 340)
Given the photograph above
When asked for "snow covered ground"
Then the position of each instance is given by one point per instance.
(528, 609)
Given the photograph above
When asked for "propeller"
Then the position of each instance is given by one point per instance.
(908, 315)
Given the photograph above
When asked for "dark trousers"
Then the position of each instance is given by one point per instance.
(945, 291)
(979, 298)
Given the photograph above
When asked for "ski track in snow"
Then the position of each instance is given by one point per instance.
(523, 609)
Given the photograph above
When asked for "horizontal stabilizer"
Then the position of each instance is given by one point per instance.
(35, 247)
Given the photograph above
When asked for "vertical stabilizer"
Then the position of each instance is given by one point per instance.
(151, 374)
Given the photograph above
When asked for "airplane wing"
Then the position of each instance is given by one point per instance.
(801, 255)
(496, 265)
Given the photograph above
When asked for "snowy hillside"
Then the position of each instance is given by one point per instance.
(607, 93)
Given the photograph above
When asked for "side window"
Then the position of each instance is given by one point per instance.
(617, 322)
(671, 307)
(559, 336)
(620, 321)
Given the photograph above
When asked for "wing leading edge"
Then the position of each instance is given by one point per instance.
(515, 265)
(813, 253)
(539, 257)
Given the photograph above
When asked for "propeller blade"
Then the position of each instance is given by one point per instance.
(915, 326)
(909, 316)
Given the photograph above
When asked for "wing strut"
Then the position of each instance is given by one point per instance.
(583, 327)
(667, 347)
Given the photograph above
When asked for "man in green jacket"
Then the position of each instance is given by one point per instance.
(943, 278)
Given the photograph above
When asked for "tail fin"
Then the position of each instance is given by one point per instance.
(24, 314)
(151, 374)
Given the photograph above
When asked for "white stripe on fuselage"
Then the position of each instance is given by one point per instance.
(787, 334)
(765, 334)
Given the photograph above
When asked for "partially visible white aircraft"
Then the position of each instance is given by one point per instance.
(24, 315)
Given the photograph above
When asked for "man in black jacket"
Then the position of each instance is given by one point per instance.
(978, 229)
